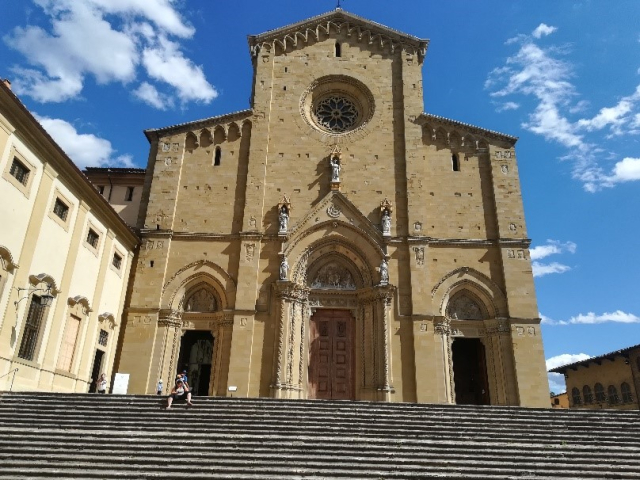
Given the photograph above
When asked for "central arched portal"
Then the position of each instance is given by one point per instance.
(332, 355)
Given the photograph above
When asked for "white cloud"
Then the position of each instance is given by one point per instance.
(166, 63)
(591, 318)
(150, 95)
(552, 247)
(108, 40)
(507, 106)
(542, 269)
(556, 380)
(541, 73)
(86, 150)
(543, 30)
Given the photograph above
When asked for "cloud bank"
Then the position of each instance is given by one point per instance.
(542, 73)
(111, 41)
(552, 247)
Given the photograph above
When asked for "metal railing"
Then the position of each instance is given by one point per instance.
(12, 378)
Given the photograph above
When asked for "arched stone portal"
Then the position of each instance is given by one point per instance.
(333, 325)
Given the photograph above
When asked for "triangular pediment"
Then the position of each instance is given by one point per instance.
(335, 207)
(342, 22)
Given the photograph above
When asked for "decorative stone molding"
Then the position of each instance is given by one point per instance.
(78, 299)
(7, 260)
(441, 130)
(338, 22)
(47, 279)
(108, 317)
(291, 291)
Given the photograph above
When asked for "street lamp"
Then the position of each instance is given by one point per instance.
(46, 299)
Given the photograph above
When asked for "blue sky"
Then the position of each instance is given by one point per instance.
(562, 76)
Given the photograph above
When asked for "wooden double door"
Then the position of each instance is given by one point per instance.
(331, 355)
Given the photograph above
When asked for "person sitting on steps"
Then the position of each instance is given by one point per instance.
(179, 392)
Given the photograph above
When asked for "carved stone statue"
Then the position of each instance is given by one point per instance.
(386, 222)
(335, 168)
(283, 219)
(284, 268)
(384, 272)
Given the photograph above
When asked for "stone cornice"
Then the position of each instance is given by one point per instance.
(447, 122)
(339, 20)
(154, 134)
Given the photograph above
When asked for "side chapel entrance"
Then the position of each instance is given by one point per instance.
(331, 359)
(470, 372)
(196, 352)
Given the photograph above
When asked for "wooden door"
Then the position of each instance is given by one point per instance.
(331, 365)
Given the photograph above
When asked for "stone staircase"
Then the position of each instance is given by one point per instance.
(130, 437)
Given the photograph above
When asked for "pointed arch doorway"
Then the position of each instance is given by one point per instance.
(331, 355)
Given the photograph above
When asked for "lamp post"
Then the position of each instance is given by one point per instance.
(46, 299)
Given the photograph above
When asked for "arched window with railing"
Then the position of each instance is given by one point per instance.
(599, 391)
(625, 390)
(575, 396)
(612, 395)
(587, 395)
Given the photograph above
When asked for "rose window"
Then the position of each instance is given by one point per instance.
(337, 114)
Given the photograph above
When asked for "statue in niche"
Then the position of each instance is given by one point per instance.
(335, 168)
(384, 272)
(386, 222)
(284, 268)
(283, 219)
(461, 307)
(333, 276)
(201, 301)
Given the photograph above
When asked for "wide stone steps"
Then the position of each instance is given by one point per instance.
(109, 437)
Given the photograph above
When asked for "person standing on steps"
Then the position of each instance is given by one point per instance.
(179, 392)
(102, 383)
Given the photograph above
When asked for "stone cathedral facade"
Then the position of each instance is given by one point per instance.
(335, 241)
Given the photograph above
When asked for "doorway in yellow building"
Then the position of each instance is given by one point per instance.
(196, 354)
(470, 372)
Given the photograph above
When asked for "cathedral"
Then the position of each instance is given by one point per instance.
(334, 241)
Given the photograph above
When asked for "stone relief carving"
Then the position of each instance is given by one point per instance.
(333, 211)
(250, 249)
(253, 222)
(461, 307)
(201, 301)
(417, 226)
(419, 252)
(333, 276)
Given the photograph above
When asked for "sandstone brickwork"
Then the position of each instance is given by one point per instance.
(336, 191)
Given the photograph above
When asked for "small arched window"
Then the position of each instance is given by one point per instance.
(612, 394)
(218, 157)
(338, 49)
(599, 391)
(587, 394)
(455, 162)
(625, 390)
(575, 396)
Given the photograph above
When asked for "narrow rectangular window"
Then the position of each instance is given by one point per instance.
(117, 261)
(103, 339)
(101, 189)
(19, 171)
(68, 347)
(61, 209)
(93, 238)
(31, 329)
(129, 196)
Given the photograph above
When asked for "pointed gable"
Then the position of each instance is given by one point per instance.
(338, 21)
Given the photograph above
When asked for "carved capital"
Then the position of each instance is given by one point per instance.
(443, 327)
(291, 291)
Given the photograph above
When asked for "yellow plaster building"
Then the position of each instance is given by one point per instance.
(611, 380)
(65, 258)
(335, 241)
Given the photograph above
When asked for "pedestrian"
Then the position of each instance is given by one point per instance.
(102, 383)
(179, 392)
(159, 389)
